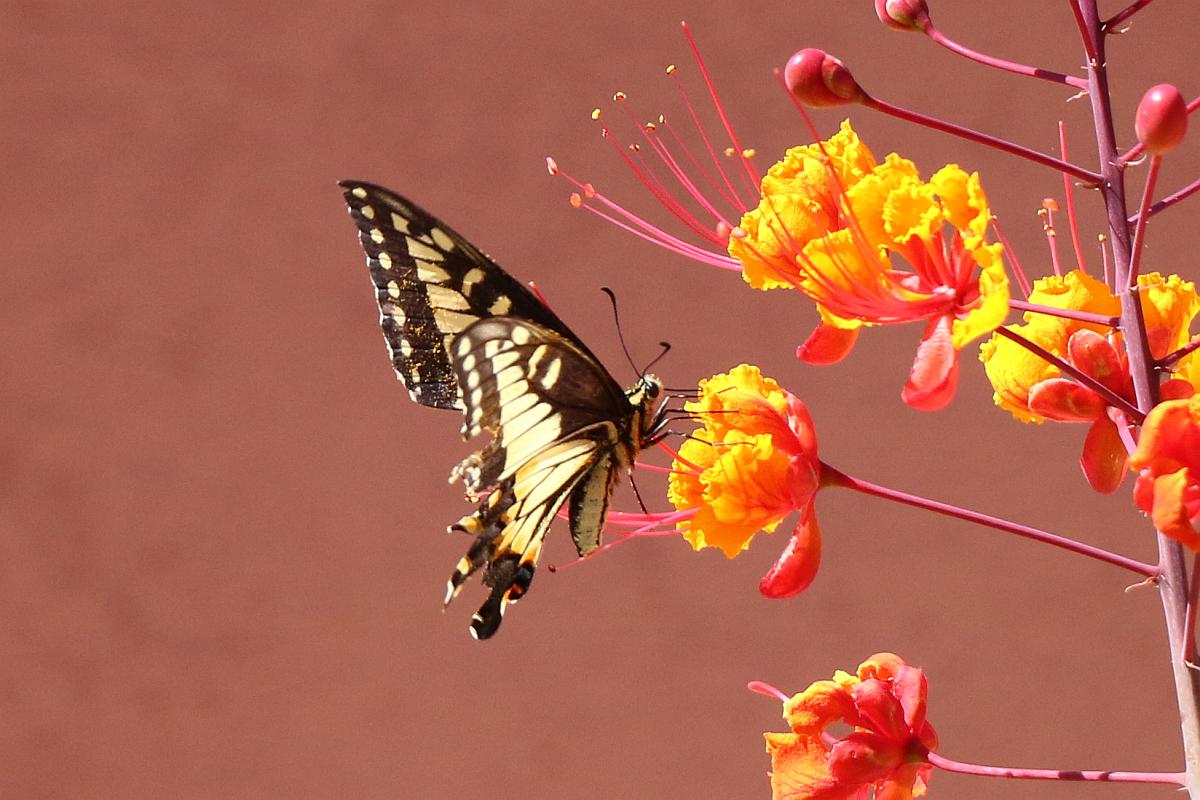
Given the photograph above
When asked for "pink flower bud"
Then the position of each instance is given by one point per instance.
(818, 79)
(903, 15)
(1161, 120)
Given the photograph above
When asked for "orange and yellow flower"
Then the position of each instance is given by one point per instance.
(752, 463)
(884, 702)
(1168, 457)
(1033, 389)
(835, 224)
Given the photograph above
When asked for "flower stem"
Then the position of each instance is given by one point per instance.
(1116, 19)
(1087, 176)
(941, 762)
(1173, 584)
(1170, 200)
(833, 477)
(1065, 313)
(1000, 63)
(1112, 398)
(1139, 232)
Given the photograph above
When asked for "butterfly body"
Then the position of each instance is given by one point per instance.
(464, 334)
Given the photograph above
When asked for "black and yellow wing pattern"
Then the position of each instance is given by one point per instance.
(465, 334)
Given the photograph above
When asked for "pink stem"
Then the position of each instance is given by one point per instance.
(833, 477)
(1087, 176)
(1171, 359)
(1069, 194)
(941, 762)
(1065, 313)
(1189, 624)
(1000, 63)
(1170, 200)
(1139, 231)
(1122, 15)
(1111, 397)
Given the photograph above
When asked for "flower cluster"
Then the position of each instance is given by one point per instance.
(884, 703)
(872, 243)
(752, 463)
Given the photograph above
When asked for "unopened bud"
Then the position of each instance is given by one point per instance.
(1161, 120)
(903, 15)
(818, 79)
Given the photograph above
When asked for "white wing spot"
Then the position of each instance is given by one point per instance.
(444, 297)
(490, 348)
(393, 290)
(521, 336)
(398, 316)
(376, 236)
(406, 348)
(476, 399)
(385, 260)
(468, 363)
(423, 251)
(367, 211)
(501, 306)
(415, 374)
(359, 192)
(399, 223)
(442, 239)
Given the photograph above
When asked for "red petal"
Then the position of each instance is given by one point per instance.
(1175, 389)
(934, 375)
(1065, 400)
(1092, 353)
(827, 345)
(1104, 457)
(864, 757)
(797, 565)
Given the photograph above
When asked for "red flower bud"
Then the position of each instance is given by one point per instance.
(1161, 120)
(818, 79)
(903, 15)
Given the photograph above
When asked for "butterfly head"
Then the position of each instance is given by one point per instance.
(645, 392)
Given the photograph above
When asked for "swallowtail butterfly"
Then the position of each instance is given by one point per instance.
(466, 335)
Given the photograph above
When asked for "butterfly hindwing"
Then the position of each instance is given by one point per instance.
(464, 334)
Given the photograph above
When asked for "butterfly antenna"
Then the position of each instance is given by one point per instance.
(612, 298)
(666, 348)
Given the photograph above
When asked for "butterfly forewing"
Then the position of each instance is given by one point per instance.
(464, 334)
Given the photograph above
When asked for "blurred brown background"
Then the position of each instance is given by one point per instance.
(221, 547)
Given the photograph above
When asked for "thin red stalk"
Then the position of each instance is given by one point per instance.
(1173, 583)
(1139, 232)
(1082, 174)
(1171, 200)
(1111, 397)
(1069, 195)
(1011, 254)
(1065, 313)
(1000, 63)
(941, 762)
(833, 477)
(1116, 19)
(1051, 239)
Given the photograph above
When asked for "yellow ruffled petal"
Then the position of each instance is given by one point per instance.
(1013, 370)
(912, 210)
(964, 204)
(1169, 304)
(993, 306)
(1075, 290)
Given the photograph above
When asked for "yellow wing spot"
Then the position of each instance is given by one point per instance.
(452, 320)
(473, 276)
(444, 297)
(367, 211)
(431, 273)
(406, 348)
(551, 377)
(422, 251)
(399, 223)
(359, 192)
(505, 360)
(385, 260)
(393, 290)
(476, 399)
(501, 306)
(442, 239)
(521, 336)
(398, 316)
(415, 374)
(468, 363)
(490, 348)
(376, 236)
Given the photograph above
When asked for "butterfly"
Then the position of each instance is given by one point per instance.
(466, 335)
